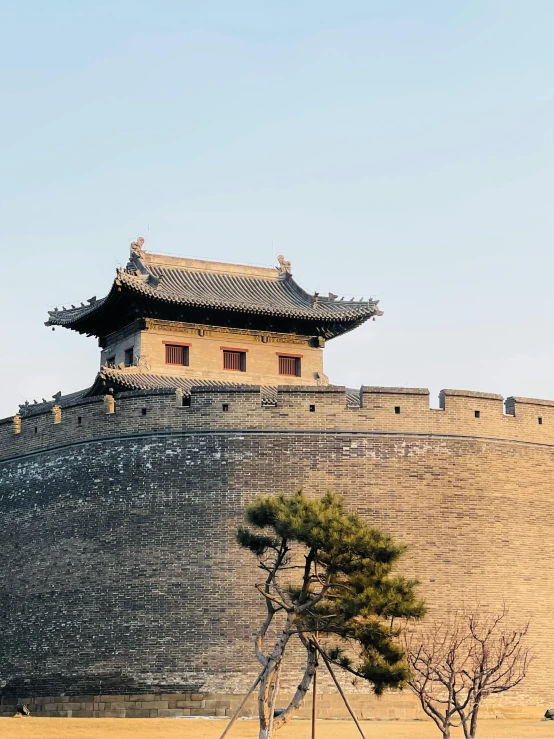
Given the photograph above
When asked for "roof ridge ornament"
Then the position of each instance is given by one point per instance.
(284, 265)
(136, 247)
(137, 266)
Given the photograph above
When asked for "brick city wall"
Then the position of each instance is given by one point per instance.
(121, 574)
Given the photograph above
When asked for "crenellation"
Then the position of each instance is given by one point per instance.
(537, 416)
(382, 410)
(468, 405)
(533, 402)
(383, 402)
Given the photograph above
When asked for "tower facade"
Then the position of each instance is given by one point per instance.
(171, 321)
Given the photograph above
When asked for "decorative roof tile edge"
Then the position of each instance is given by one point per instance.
(143, 393)
(64, 401)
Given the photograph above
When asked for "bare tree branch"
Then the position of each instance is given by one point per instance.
(457, 663)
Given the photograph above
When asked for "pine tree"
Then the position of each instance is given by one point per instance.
(341, 601)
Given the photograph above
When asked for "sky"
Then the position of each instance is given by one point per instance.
(397, 149)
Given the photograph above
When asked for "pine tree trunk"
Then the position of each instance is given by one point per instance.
(267, 730)
(301, 691)
(265, 704)
(268, 683)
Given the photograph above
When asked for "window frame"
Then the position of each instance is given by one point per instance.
(298, 364)
(180, 345)
(234, 350)
(129, 352)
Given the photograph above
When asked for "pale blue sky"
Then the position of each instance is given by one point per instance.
(398, 149)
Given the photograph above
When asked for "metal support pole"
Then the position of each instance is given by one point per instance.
(239, 709)
(314, 698)
(341, 691)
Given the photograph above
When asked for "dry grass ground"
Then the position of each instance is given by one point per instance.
(106, 728)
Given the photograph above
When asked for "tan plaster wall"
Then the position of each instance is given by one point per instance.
(206, 356)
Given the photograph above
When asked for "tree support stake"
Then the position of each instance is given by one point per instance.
(239, 709)
(341, 691)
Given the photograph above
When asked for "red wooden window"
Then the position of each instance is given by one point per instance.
(177, 354)
(289, 366)
(234, 360)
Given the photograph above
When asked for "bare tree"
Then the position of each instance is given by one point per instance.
(499, 659)
(438, 656)
(457, 663)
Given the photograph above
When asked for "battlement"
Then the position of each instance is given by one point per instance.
(247, 408)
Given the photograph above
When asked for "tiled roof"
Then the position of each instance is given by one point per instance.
(67, 316)
(127, 380)
(31, 409)
(122, 380)
(244, 294)
(201, 284)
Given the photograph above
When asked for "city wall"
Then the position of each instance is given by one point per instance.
(118, 516)
(383, 410)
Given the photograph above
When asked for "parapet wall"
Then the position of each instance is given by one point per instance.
(380, 410)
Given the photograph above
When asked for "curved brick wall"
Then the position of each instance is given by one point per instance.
(118, 528)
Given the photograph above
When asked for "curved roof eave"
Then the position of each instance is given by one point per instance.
(324, 310)
(69, 316)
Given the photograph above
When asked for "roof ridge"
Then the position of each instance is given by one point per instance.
(196, 264)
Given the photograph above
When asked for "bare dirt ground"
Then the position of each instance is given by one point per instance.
(106, 728)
